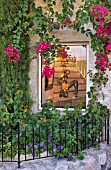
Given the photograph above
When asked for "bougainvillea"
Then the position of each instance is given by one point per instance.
(103, 22)
(43, 47)
(104, 31)
(101, 61)
(69, 23)
(12, 54)
(108, 47)
(99, 12)
(48, 71)
(61, 52)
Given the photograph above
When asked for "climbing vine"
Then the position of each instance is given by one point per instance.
(21, 19)
(95, 12)
(14, 22)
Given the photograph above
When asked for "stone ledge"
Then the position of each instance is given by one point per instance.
(93, 160)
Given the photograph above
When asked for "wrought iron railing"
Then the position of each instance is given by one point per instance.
(48, 138)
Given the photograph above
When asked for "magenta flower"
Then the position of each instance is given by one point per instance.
(108, 47)
(62, 53)
(97, 62)
(55, 25)
(12, 54)
(109, 64)
(48, 72)
(43, 47)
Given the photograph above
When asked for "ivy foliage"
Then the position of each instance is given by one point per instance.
(14, 23)
(100, 78)
(16, 26)
(49, 16)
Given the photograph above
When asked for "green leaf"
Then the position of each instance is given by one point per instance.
(71, 6)
(81, 6)
(70, 13)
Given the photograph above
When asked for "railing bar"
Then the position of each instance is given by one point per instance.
(108, 131)
(76, 135)
(95, 137)
(18, 144)
(65, 135)
(47, 138)
(92, 131)
(88, 132)
(85, 140)
(102, 131)
(33, 143)
(2, 145)
(72, 132)
(99, 135)
(81, 135)
(39, 141)
(105, 129)
(11, 144)
(52, 138)
(60, 135)
(25, 144)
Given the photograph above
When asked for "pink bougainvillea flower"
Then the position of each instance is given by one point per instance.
(65, 22)
(55, 25)
(108, 47)
(97, 62)
(75, 22)
(109, 66)
(102, 10)
(43, 47)
(48, 71)
(12, 54)
(101, 61)
(103, 68)
(99, 30)
(46, 62)
(100, 14)
(62, 52)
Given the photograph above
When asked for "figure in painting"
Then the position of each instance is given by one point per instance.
(65, 85)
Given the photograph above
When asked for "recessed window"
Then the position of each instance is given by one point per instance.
(69, 83)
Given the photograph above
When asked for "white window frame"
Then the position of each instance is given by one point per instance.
(87, 75)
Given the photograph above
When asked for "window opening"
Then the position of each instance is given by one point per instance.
(69, 83)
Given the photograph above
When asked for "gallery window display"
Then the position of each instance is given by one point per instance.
(68, 85)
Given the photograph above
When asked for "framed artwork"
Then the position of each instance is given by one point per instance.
(69, 84)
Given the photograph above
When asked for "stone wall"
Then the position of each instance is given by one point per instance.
(93, 160)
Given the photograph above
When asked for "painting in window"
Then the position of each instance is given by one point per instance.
(68, 85)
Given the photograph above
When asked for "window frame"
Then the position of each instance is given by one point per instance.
(87, 75)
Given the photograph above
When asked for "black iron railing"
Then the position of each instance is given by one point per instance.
(47, 138)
